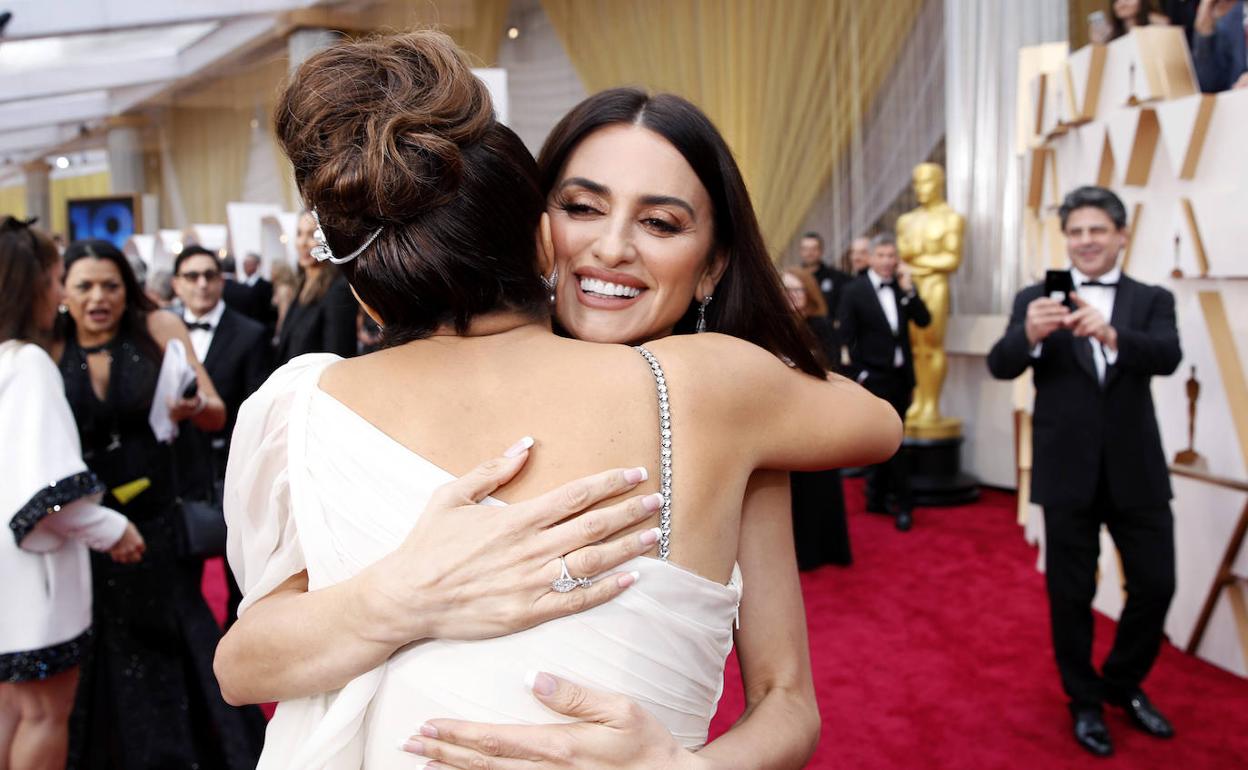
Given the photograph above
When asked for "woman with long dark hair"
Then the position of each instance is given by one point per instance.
(431, 206)
(146, 697)
(50, 502)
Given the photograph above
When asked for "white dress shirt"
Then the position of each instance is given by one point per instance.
(201, 340)
(888, 302)
(1101, 298)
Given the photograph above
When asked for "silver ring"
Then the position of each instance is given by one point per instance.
(565, 582)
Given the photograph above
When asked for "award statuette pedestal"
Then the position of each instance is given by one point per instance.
(936, 476)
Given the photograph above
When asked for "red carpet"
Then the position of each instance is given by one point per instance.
(932, 651)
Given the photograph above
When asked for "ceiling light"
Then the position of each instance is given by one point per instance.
(513, 32)
(62, 162)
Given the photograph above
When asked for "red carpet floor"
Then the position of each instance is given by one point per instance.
(932, 651)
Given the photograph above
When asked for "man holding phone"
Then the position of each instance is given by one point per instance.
(1094, 339)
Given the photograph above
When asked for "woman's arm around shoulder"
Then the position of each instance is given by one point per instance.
(787, 419)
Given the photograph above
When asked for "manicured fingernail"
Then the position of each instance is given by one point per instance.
(540, 682)
(652, 502)
(428, 730)
(627, 579)
(412, 746)
(520, 447)
(650, 536)
(636, 475)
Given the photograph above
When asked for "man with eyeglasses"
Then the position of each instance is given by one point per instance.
(235, 352)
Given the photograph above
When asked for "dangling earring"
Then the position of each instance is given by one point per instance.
(551, 282)
(701, 327)
(62, 308)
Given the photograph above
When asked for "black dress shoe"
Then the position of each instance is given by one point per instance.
(904, 521)
(1144, 715)
(1092, 734)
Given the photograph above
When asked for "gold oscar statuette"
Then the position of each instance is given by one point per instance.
(1190, 457)
(929, 241)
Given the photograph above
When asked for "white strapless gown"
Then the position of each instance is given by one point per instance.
(311, 485)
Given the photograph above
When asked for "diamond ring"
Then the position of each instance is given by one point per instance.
(565, 582)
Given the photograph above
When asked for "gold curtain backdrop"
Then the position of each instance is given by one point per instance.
(13, 201)
(784, 82)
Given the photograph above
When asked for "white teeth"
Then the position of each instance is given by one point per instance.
(595, 286)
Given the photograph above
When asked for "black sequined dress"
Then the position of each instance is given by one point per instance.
(147, 696)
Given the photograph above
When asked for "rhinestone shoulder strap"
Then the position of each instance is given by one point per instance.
(665, 453)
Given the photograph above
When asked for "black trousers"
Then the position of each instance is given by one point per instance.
(1145, 540)
(889, 481)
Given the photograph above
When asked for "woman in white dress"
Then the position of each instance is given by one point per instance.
(430, 206)
(49, 501)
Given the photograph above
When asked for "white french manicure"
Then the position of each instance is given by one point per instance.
(520, 447)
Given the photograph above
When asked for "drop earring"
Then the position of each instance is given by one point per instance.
(550, 283)
(701, 327)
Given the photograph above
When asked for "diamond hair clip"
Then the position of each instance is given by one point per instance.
(321, 251)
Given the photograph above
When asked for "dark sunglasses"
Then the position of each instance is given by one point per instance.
(193, 276)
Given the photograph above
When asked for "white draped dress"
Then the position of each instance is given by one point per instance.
(312, 485)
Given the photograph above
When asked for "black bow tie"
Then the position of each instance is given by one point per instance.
(888, 285)
(207, 327)
(1105, 284)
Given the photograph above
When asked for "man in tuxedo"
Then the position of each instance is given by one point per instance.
(875, 314)
(235, 351)
(1097, 457)
(831, 281)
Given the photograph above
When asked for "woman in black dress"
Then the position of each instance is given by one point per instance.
(321, 319)
(147, 697)
(819, 526)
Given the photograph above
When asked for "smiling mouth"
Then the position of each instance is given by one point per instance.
(595, 287)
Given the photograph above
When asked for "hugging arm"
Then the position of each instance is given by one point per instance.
(778, 730)
(486, 580)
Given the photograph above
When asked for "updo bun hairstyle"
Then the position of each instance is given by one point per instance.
(395, 132)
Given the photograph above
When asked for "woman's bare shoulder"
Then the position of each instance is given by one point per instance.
(163, 325)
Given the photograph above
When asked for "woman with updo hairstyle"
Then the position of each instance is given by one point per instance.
(432, 207)
(50, 503)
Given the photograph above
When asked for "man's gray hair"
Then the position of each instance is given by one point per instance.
(883, 239)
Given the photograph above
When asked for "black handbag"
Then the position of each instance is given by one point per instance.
(201, 522)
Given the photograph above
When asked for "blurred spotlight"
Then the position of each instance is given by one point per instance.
(62, 162)
(177, 246)
(255, 124)
(513, 32)
(282, 238)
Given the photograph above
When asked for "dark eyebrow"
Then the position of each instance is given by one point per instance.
(649, 200)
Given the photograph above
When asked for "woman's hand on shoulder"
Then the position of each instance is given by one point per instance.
(472, 571)
(612, 732)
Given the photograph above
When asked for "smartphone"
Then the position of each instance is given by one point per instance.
(1058, 285)
(192, 390)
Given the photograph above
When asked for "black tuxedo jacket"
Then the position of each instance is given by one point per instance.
(238, 362)
(324, 326)
(832, 283)
(255, 302)
(865, 330)
(1080, 426)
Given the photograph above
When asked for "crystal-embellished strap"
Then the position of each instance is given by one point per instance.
(665, 453)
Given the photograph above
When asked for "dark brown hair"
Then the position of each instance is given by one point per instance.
(138, 304)
(26, 259)
(749, 300)
(1142, 18)
(396, 133)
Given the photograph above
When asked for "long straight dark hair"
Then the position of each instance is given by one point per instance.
(27, 256)
(138, 304)
(749, 299)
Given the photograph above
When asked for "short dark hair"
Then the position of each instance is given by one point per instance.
(138, 304)
(813, 234)
(396, 133)
(750, 302)
(1097, 198)
(194, 250)
(26, 259)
